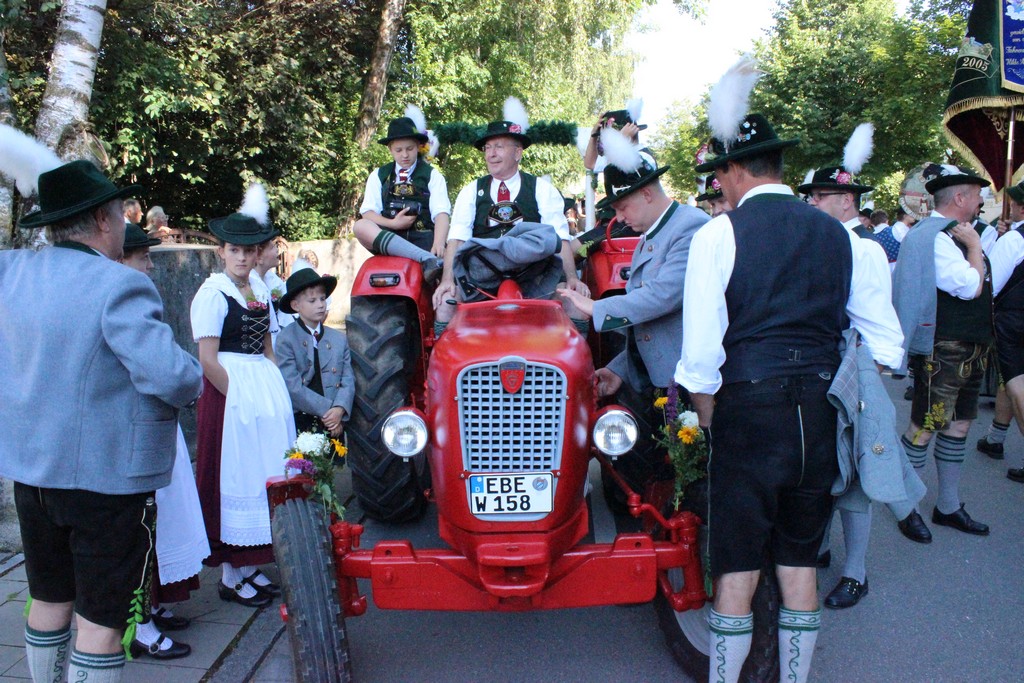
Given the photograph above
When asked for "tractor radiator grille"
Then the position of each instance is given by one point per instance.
(511, 432)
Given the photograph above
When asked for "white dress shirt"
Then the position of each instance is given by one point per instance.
(899, 230)
(549, 201)
(953, 272)
(706, 316)
(1005, 257)
(438, 186)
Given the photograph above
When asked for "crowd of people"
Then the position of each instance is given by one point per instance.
(732, 307)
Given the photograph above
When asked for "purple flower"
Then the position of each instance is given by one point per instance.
(672, 407)
(304, 466)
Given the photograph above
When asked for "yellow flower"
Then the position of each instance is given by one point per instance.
(297, 455)
(688, 435)
(339, 448)
(661, 402)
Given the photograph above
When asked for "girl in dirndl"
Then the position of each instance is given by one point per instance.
(245, 422)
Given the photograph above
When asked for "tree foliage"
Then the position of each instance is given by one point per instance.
(679, 137)
(832, 64)
(194, 98)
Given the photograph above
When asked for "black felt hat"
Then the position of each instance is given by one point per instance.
(1016, 192)
(712, 190)
(70, 189)
(503, 128)
(403, 127)
(301, 279)
(619, 183)
(239, 228)
(940, 176)
(136, 238)
(756, 136)
(622, 117)
(834, 178)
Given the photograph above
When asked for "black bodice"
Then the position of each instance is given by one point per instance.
(244, 329)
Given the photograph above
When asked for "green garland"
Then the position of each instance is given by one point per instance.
(542, 133)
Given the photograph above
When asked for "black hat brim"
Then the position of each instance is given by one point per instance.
(418, 137)
(836, 187)
(329, 282)
(39, 219)
(743, 153)
(942, 182)
(218, 227)
(1016, 193)
(708, 196)
(643, 182)
(482, 140)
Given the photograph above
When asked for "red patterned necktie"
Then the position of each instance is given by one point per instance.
(503, 194)
(403, 175)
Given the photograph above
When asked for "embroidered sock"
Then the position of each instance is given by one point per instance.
(798, 632)
(232, 576)
(390, 244)
(856, 533)
(917, 454)
(47, 654)
(996, 432)
(949, 461)
(901, 509)
(86, 667)
(582, 326)
(730, 645)
(439, 328)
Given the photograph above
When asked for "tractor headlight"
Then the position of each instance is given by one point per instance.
(404, 433)
(615, 432)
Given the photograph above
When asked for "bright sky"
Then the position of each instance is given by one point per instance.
(680, 57)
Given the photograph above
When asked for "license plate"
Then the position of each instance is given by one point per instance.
(502, 494)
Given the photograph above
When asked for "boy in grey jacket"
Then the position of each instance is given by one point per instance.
(313, 358)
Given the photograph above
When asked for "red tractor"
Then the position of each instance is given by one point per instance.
(495, 422)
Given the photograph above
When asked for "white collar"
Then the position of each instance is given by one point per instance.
(409, 170)
(222, 283)
(508, 181)
(657, 222)
(936, 214)
(851, 224)
(767, 188)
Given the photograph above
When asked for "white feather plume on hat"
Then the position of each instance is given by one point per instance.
(635, 107)
(434, 143)
(730, 99)
(418, 119)
(582, 140)
(24, 159)
(256, 204)
(858, 148)
(515, 112)
(620, 151)
(809, 178)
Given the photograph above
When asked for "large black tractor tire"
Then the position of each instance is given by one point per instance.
(316, 623)
(687, 634)
(384, 340)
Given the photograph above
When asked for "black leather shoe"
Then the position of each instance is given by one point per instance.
(908, 395)
(169, 622)
(914, 528)
(432, 271)
(1015, 474)
(231, 595)
(960, 520)
(271, 589)
(825, 559)
(992, 450)
(175, 651)
(847, 593)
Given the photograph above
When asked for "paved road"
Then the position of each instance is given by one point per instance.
(950, 611)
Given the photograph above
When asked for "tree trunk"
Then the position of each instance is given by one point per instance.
(377, 77)
(6, 184)
(63, 121)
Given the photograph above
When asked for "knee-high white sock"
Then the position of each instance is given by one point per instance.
(47, 654)
(798, 632)
(856, 532)
(390, 244)
(949, 461)
(997, 432)
(730, 645)
(90, 668)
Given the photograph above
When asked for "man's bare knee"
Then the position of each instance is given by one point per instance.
(734, 592)
(96, 639)
(50, 616)
(799, 587)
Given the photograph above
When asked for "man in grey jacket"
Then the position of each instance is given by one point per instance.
(91, 381)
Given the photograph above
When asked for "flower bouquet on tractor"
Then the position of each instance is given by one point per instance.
(495, 423)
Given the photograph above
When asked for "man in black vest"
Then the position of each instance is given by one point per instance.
(763, 314)
(942, 291)
(492, 205)
(1008, 288)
